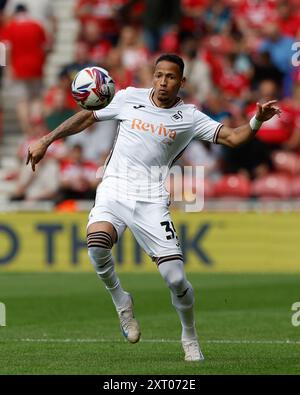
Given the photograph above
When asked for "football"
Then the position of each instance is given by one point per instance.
(93, 88)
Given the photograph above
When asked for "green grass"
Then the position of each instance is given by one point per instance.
(48, 309)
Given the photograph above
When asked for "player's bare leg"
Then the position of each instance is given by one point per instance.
(100, 238)
(23, 110)
(171, 269)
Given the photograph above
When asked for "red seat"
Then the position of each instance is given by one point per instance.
(233, 185)
(209, 188)
(193, 187)
(286, 162)
(272, 186)
(295, 186)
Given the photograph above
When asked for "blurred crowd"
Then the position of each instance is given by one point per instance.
(236, 52)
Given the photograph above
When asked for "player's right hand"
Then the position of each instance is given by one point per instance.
(36, 152)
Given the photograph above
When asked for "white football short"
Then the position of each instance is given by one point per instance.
(150, 223)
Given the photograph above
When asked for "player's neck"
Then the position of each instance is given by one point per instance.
(164, 104)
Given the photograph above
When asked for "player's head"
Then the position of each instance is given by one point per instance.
(172, 58)
(167, 79)
(20, 8)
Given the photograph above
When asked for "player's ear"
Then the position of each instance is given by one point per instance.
(183, 80)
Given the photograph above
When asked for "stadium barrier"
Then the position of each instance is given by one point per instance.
(211, 242)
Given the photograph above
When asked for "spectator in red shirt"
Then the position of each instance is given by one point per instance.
(294, 104)
(133, 51)
(123, 77)
(192, 21)
(215, 48)
(97, 46)
(26, 42)
(288, 19)
(26, 39)
(43, 11)
(253, 14)
(104, 12)
(233, 83)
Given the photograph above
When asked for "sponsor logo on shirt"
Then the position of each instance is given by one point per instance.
(159, 130)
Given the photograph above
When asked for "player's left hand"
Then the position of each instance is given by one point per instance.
(36, 152)
(267, 110)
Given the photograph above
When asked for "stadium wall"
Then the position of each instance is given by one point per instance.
(211, 242)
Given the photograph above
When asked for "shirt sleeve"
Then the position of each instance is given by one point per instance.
(205, 128)
(113, 110)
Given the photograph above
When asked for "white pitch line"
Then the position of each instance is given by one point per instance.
(224, 341)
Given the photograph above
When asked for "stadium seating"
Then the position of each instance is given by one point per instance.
(233, 185)
(193, 186)
(275, 185)
(202, 45)
(295, 186)
(286, 162)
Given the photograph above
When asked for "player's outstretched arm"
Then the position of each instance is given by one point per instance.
(75, 124)
(233, 137)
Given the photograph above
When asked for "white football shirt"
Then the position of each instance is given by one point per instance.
(149, 140)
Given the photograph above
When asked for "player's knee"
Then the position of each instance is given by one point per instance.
(173, 274)
(176, 280)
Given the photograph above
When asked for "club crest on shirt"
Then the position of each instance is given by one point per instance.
(167, 141)
(177, 116)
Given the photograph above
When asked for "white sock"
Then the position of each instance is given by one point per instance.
(182, 296)
(103, 263)
(185, 310)
(119, 297)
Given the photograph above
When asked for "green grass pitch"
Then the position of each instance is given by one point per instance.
(66, 324)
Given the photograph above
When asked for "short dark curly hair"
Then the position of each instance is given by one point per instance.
(169, 57)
